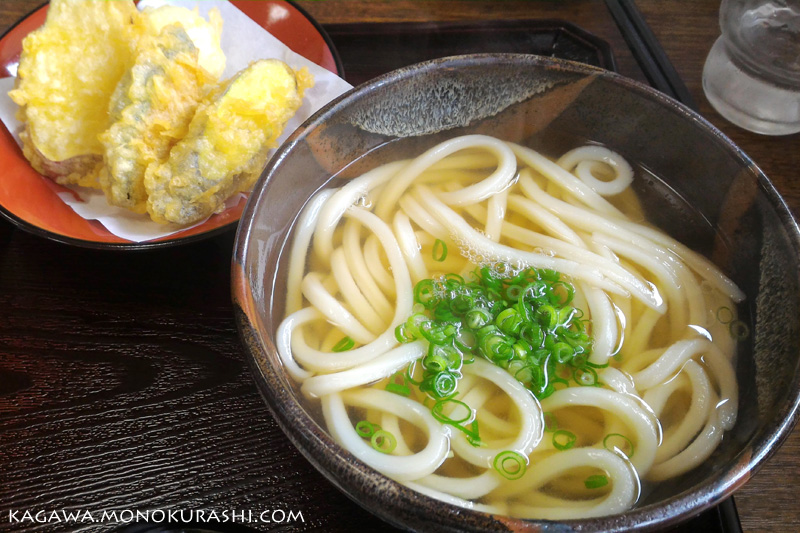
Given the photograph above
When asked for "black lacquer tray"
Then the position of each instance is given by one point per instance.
(368, 50)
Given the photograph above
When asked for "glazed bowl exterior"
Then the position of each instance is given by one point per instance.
(549, 105)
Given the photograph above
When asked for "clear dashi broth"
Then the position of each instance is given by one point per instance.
(505, 330)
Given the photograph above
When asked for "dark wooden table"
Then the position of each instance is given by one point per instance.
(123, 386)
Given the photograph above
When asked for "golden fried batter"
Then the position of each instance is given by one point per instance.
(67, 72)
(227, 144)
(121, 100)
(150, 110)
(204, 34)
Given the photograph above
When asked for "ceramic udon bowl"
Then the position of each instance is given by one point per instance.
(712, 198)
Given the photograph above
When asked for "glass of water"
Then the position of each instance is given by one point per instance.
(752, 74)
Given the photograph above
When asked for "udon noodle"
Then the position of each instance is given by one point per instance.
(647, 397)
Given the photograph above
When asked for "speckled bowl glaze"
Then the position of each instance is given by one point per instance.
(549, 105)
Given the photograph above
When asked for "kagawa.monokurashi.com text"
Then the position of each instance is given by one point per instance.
(152, 516)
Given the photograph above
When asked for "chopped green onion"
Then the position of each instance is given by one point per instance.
(397, 385)
(563, 352)
(579, 361)
(462, 303)
(563, 439)
(444, 384)
(596, 481)
(550, 421)
(425, 293)
(524, 375)
(445, 355)
(433, 332)
(496, 347)
(396, 388)
(739, 330)
(470, 431)
(549, 274)
(618, 443)
(510, 464)
(562, 293)
(439, 250)
(549, 316)
(513, 292)
(383, 441)
(465, 340)
(343, 345)
(453, 281)
(540, 380)
(509, 321)
(586, 376)
(366, 429)
(532, 334)
(410, 370)
(477, 317)
(434, 361)
(441, 417)
(565, 314)
(521, 350)
(725, 315)
(521, 320)
(402, 334)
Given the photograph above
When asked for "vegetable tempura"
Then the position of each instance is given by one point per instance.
(227, 144)
(67, 72)
(129, 102)
(150, 111)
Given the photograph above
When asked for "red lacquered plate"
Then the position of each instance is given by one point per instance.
(31, 201)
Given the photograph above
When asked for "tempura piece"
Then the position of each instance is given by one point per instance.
(205, 35)
(67, 72)
(227, 144)
(150, 111)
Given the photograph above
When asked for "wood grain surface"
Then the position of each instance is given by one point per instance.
(122, 381)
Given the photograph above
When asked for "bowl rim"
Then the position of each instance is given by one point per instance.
(315, 443)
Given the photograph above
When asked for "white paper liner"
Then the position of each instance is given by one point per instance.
(243, 41)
